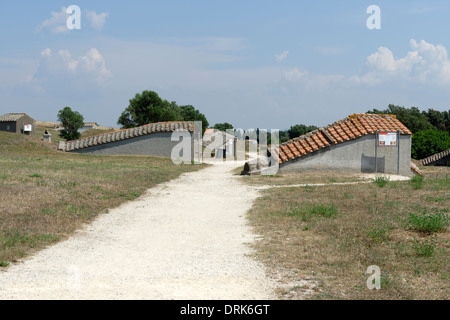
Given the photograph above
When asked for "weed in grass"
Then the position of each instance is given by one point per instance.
(436, 199)
(428, 222)
(416, 182)
(348, 196)
(309, 188)
(379, 233)
(308, 211)
(381, 181)
(424, 248)
(387, 281)
(4, 264)
(51, 212)
(35, 175)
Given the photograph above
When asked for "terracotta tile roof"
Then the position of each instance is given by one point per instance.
(352, 127)
(435, 157)
(126, 134)
(12, 117)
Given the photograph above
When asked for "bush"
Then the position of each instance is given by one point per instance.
(432, 222)
(428, 142)
(424, 248)
(381, 181)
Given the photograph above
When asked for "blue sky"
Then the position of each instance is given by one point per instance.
(266, 64)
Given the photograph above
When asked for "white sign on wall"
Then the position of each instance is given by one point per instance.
(28, 127)
(387, 139)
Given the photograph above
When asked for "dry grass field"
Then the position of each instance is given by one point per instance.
(324, 238)
(45, 195)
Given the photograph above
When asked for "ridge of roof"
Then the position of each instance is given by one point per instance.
(12, 116)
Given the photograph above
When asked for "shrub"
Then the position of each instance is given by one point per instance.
(432, 222)
(424, 248)
(428, 142)
(381, 181)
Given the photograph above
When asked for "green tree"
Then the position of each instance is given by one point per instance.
(412, 118)
(189, 113)
(439, 120)
(71, 121)
(223, 126)
(147, 107)
(428, 142)
(284, 136)
(299, 130)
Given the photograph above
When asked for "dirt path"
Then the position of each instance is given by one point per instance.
(185, 239)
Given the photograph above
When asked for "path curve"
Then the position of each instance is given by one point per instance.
(185, 239)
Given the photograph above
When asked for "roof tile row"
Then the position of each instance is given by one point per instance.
(350, 128)
(126, 134)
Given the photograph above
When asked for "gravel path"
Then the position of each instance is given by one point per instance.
(185, 239)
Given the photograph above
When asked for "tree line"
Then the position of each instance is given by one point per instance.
(430, 129)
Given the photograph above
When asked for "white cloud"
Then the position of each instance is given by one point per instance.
(282, 56)
(61, 69)
(424, 63)
(57, 22)
(294, 74)
(96, 21)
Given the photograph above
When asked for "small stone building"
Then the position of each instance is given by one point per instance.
(359, 143)
(17, 123)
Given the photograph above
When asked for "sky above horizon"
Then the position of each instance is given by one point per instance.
(254, 64)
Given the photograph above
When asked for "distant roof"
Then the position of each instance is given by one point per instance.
(352, 127)
(12, 117)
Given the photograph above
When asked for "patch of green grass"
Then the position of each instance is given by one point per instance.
(306, 212)
(309, 188)
(35, 175)
(348, 196)
(416, 182)
(424, 248)
(428, 222)
(12, 239)
(381, 181)
(4, 264)
(380, 232)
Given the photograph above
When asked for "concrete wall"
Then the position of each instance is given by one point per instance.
(155, 144)
(356, 156)
(9, 126)
(22, 121)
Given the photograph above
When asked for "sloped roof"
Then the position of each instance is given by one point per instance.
(126, 134)
(352, 127)
(12, 117)
(435, 157)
